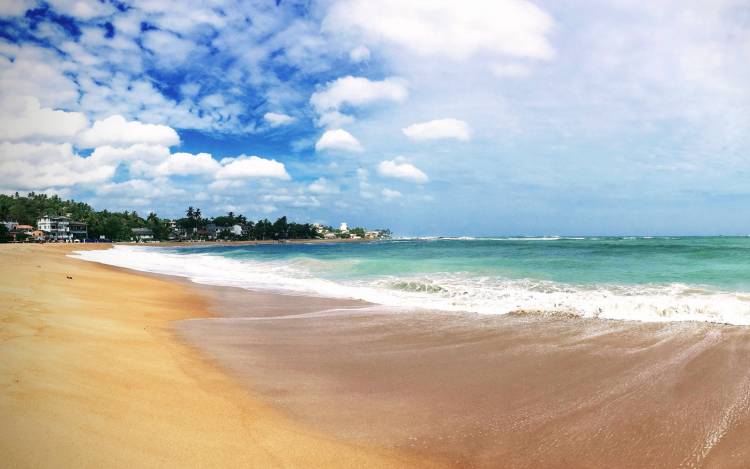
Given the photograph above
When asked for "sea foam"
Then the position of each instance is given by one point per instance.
(442, 291)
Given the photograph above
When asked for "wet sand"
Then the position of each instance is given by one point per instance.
(491, 391)
(92, 375)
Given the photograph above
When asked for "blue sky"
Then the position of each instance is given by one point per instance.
(428, 117)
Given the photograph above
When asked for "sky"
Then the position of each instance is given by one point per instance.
(429, 117)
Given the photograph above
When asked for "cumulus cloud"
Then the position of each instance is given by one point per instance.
(186, 164)
(37, 73)
(456, 30)
(116, 131)
(322, 186)
(334, 119)
(390, 194)
(338, 139)
(22, 118)
(357, 91)
(139, 191)
(276, 119)
(359, 54)
(399, 169)
(249, 167)
(438, 129)
(28, 166)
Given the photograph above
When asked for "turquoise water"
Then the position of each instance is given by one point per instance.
(646, 279)
(711, 261)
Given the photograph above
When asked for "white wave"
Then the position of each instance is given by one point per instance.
(449, 292)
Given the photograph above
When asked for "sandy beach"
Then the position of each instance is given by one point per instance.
(91, 375)
(115, 368)
(521, 390)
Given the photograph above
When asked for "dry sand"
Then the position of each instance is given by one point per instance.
(91, 375)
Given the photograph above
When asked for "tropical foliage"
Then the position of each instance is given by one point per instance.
(117, 226)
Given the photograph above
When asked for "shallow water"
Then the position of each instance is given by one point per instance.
(646, 279)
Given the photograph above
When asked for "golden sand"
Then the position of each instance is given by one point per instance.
(92, 376)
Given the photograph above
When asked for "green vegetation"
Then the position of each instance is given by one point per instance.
(117, 226)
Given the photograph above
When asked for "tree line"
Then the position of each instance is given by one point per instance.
(117, 226)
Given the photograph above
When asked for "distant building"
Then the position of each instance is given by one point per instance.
(236, 230)
(56, 228)
(372, 234)
(213, 230)
(37, 235)
(18, 232)
(329, 235)
(78, 230)
(343, 227)
(142, 234)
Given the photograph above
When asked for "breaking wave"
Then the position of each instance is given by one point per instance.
(442, 291)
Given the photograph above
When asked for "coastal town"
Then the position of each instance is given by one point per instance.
(75, 222)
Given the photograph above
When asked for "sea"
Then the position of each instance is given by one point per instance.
(652, 279)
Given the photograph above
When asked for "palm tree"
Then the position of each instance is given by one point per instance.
(197, 214)
(189, 213)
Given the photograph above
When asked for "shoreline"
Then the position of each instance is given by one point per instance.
(373, 386)
(92, 375)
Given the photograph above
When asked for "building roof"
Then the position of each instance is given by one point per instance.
(141, 231)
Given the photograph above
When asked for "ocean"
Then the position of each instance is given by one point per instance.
(654, 279)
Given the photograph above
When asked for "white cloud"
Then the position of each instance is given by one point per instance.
(246, 167)
(390, 194)
(39, 74)
(276, 119)
(439, 129)
(27, 166)
(359, 54)
(22, 118)
(322, 186)
(501, 70)
(297, 201)
(15, 7)
(334, 119)
(447, 28)
(186, 164)
(400, 169)
(357, 91)
(171, 49)
(115, 130)
(139, 190)
(338, 139)
(81, 9)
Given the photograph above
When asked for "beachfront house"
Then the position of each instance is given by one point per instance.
(78, 230)
(142, 235)
(343, 227)
(56, 228)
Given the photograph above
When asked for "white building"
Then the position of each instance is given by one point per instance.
(236, 230)
(55, 228)
(142, 234)
(10, 225)
(343, 227)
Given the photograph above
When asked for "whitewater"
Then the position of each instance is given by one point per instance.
(627, 278)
